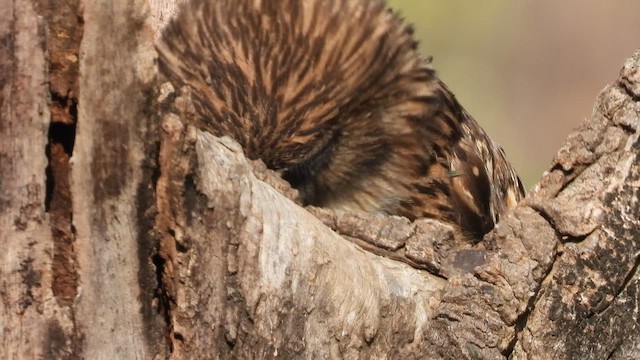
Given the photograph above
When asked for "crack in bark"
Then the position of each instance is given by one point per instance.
(569, 175)
(617, 347)
(540, 211)
(59, 199)
(627, 280)
(625, 84)
(394, 255)
(522, 320)
(397, 252)
(628, 129)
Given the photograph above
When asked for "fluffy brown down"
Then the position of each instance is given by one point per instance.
(334, 95)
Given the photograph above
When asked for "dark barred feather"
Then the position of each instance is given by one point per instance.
(335, 96)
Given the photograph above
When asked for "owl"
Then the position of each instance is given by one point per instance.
(334, 96)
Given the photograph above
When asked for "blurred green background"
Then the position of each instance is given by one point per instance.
(529, 70)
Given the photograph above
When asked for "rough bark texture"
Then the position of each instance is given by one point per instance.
(588, 303)
(112, 185)
(76, 204)
(130, 234)
(32, 323)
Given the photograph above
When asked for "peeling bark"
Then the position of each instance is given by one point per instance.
(129, 233)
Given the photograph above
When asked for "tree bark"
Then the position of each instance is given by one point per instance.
(128, 233)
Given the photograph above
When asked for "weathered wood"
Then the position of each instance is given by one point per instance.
(588, 304)
(112, 185)
(151, 239)
(33, 323)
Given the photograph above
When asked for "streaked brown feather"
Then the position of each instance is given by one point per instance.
(335, 95)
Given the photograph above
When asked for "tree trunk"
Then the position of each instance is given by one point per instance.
(130, 234)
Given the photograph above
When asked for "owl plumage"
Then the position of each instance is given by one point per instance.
(334, 95)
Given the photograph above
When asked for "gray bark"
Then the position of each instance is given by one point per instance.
(143, 237)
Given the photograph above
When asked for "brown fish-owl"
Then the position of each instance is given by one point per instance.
(334, 95)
